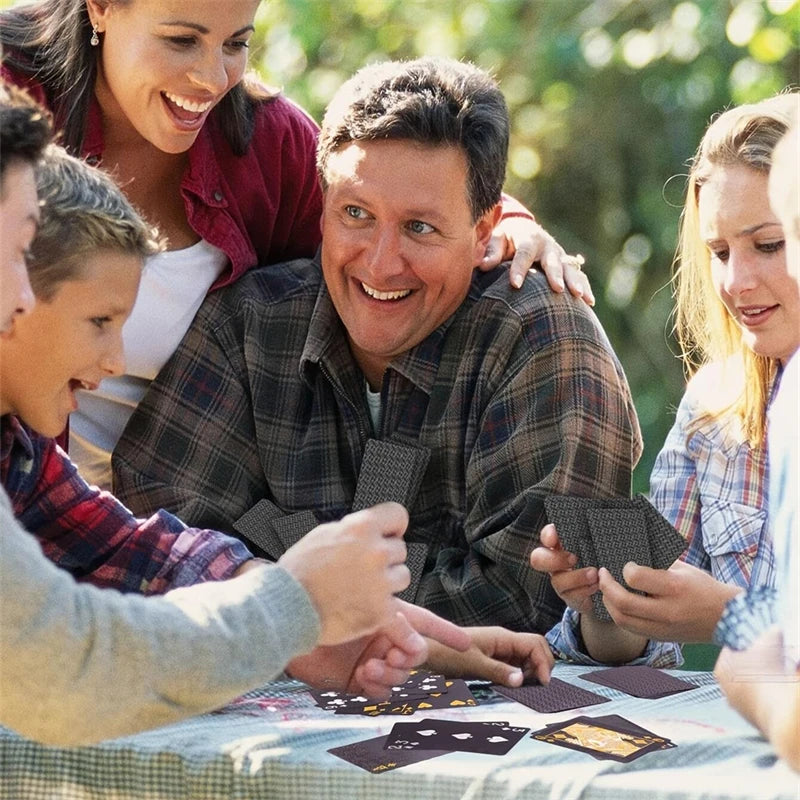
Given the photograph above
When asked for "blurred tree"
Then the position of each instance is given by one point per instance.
(609, 99)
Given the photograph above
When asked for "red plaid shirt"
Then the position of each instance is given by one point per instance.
(92, 535)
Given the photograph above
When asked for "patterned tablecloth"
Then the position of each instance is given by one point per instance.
(272, 743)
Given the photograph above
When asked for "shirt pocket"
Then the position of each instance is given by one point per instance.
(731, 536)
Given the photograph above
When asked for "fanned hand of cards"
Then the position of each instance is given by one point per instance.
(612, 531)
(610, 737)
(421, 692)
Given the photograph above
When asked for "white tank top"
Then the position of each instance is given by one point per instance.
(172, 288)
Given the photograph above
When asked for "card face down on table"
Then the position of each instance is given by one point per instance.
(639, 681)
(555, 696)
(609, 532)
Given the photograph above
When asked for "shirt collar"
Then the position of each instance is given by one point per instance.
(326, 342)
(202, 176)
(13, 433)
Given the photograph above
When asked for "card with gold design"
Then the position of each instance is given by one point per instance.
(601, 739)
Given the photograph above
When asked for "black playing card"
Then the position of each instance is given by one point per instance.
(639, 681)
(492, 738)
(370, 755)
(332, 700)
(555, 696)
(622, 724)
(456, 694)
(615, 722)
(425, 682)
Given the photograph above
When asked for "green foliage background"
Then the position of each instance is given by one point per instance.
(609, 99)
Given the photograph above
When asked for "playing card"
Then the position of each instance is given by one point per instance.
(455, 694)
(615, 722)
(619, 535)
(555, 696)
(568, 514)
(639, 681)
(425, 682)
(332, 700)
(666, 543)
(598, 739)
(609, 532)
(491, 738)
(615, 546)
(370, 755)
(625, 725)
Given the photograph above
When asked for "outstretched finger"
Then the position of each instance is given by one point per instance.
(434, 627)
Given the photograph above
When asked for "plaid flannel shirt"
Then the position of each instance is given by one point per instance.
(518, 395)
(712, 487)
(92, 535)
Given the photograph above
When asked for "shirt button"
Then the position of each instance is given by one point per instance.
(218, 196)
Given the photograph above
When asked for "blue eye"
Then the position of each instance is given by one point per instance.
(417, 226)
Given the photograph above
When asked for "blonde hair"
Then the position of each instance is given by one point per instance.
(743, 136)
(83, 211)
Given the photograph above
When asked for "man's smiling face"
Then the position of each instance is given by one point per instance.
(398, 244)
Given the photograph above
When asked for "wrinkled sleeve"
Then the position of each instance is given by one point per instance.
(674, 487)
(185, 653)
(190, 446)
(566, 644)
(89, 533)
(561, 422)
(746, 616)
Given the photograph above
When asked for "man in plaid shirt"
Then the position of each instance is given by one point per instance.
(388, 367)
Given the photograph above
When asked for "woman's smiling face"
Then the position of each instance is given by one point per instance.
(748, 260)
(165, 64)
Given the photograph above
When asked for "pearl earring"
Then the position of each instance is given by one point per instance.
(95, 40)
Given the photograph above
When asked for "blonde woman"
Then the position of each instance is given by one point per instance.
(738, 322)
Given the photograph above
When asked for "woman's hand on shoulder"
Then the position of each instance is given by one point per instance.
(526, 243)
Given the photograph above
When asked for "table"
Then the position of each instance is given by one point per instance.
(272, 743)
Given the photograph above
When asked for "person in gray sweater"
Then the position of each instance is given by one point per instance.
(194, 648)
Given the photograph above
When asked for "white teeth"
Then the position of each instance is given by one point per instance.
(753, 311)
(385, 295)
(188, 105)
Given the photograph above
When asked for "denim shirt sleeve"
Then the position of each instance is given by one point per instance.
(565, 642)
